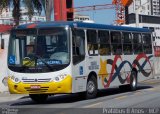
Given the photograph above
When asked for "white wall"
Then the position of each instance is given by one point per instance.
(137, 3)
(3, 64)
(146, 7)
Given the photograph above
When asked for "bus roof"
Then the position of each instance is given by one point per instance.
(81, 25)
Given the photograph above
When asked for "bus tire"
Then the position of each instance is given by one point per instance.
(91, 88)
(39, 98)
(133, 81)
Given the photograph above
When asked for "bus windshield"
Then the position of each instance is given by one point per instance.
(38, 49)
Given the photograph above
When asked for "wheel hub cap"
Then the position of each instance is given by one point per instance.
(90, 87)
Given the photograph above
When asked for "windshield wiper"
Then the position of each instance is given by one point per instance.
(49, 66)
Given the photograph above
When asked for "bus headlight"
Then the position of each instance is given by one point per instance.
(59, 78)
(15, 79)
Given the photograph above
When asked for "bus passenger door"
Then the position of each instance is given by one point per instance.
(78, 52)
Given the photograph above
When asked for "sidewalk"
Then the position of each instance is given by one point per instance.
(156, 76)
(5, 97)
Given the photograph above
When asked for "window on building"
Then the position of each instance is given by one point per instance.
(104, 43)
(92, 42)
(116, 43)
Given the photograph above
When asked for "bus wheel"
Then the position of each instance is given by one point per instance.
(91, 90)
(39, 98)
(133, 81)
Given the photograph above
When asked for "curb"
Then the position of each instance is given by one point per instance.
(5, 93)
(157, 77)
(24, 97)
(6, 97)
(13, 95)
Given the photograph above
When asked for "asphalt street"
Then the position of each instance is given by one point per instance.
(114, 100)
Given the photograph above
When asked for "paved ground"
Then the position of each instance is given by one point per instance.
(147, 96)
(5, 97)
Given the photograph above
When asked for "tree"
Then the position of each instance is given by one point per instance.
(31, 5)
(48, 9)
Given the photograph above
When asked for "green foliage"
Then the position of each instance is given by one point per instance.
(3, 4)
(16, 11)
(37, 5)
(30, 8)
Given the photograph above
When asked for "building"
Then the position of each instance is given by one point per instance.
(25, 19)
(149, 16)
(7, 19)
(78, 17)
(149, 7)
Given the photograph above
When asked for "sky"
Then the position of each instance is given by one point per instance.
(105, 16)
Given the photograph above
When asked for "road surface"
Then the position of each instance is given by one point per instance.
(145, 100)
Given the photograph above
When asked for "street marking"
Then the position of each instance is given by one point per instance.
(157, 88)
(151, 89)
(89, 106)
(62, 113)
(153, 82)
(138, 93)
(121, 97)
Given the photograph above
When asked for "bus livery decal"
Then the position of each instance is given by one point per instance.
(103, 73)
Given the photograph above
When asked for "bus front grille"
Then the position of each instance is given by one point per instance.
(40, 90)
(36, 80)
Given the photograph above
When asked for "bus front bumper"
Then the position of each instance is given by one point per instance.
(64, 86)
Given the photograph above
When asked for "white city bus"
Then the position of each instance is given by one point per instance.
(71, 57)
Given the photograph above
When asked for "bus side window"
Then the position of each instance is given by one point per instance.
(137, 43)
(127, 43)
(104, 43)
(92, 42)
(147, 43)
(78, 46)
(116, 43)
